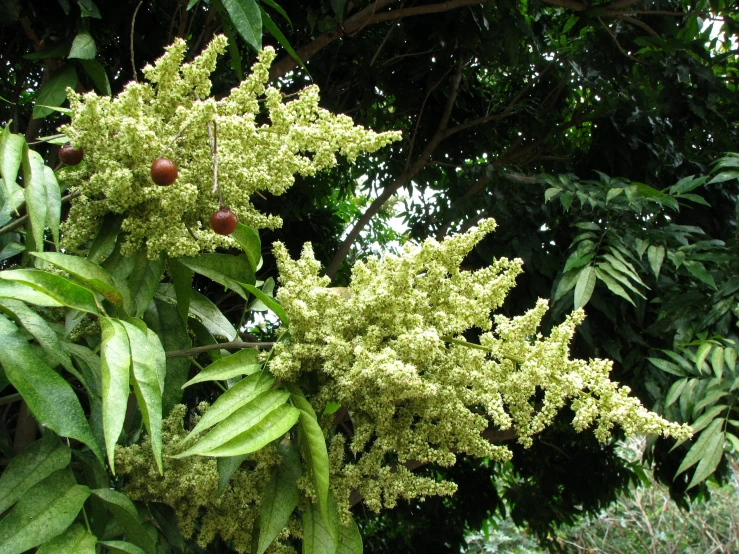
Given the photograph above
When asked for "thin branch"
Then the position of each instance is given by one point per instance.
(638, 23)
(382, 44)
(21, 220)
(233, 345)
(618, 44)
(133, 24)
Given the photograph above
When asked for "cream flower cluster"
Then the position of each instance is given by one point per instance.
(390, 350)
(261, 142)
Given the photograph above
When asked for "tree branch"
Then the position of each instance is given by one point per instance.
(233, 345)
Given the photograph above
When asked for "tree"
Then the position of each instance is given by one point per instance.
(473, 124)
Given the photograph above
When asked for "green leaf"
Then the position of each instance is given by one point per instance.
(717, 361)
(229, 271)
(584, 287)
(58, 49)
(247, 19)
(39, 460)
(613, 193)
(41, 331)
(551, 193)
(710, 398)
(115, 354)
(267, 288)
(714, 450)
(620, 277)
(698, 270)
(730, 358)
(9, 209)
(270, 302)
(656, 254)
(623, 266)
(566, 283)
(83, 47)
(247, 418)
(575, 260)
(98, 75)
(125, 512)
(612, 285)
(35, 195)
(54, 204)
(122, 546)
(350, 539)
(724, 176)
(233, 399)
(182, 283)
(321, 529)
(47, 394)
(331, 408)
(57, 287)
(104, 242)
(338, 8)
(675, 390)
(272, 4)
(703, 421)
(148, 383)
(12, 147)
(280, 496)
(314, 450)
(144, 280)
(43, 513)
(701, 355)
(162, 318)
(54, 92)
(93, 275)
(19, 291)
(243, 362)
(696, 452)
(75, 540)
(248, 239)
(227, 466)
(88, 9)
(273, 30)
(667, 367)
(203, 310)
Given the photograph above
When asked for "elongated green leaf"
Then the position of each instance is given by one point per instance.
(203, 310)
(696, 452)
(566, 284)
(59, 288)
(248, 239)
(34, 464)
(656, 255)
(247, 19)
(551, 193)
(105, 240)
(144, 280)
(699, 271)
(314, 448)
(623, 266)
(710, 414)
(115, 354)
(12, 147)
(274, 30)
(125, 512)
(53, 203)
(243, 362)
(281, 497)
(717, 361)
(182, 281)
(714, 449)
(612, 285)
(229, 271)
(146, 385)
(54, 92)
(321, 529)
(11, 249)
(620, 277)
(273, 426)
(710, 398)
(233, 399)
(162, 318)
(675, 390)
(75, 540)
(41, 331)
(701, 355)
(47, 394)
(350, 539)
(83, 47)
(275, 6)
(227, 466)
(35, 195)
(576, 260)
(267, 288)
(93, 275)
(43, 513)
(243, 419)
(584, 287)
(270, 302)
(98, 76)
(9, 209)
(122, 546)
(730, 358)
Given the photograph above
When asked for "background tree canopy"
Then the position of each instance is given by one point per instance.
(597, 135)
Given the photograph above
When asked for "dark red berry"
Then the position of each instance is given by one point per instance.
(223, 221)
(163, 172)
(69, 155)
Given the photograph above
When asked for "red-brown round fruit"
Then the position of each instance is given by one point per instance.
(163, 172)
(69, 155)
(223, 221)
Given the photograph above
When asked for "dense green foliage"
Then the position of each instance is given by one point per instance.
(595, 135)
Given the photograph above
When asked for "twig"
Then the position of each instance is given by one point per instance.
(133, 24)
(10, 399)
(384, 40)
(21, 220)
(615, 40)
(233, 345)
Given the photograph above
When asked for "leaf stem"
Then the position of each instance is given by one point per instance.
(233, 345)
